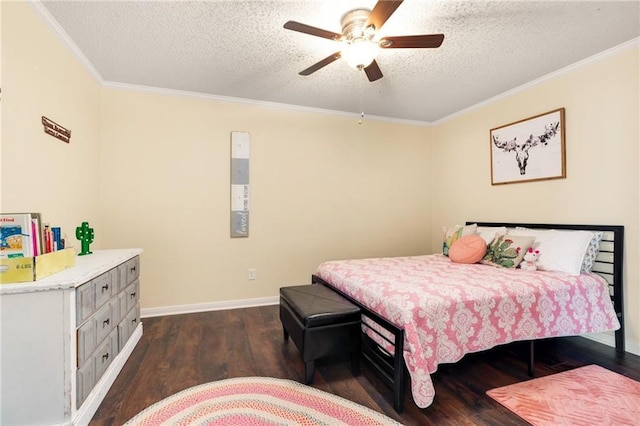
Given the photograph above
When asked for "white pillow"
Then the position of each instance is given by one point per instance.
(488, 233)
(560, 251)
(452, 233)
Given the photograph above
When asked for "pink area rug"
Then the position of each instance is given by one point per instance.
(589, 395)
(257, 401)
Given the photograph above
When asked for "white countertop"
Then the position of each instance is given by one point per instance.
(86, 268)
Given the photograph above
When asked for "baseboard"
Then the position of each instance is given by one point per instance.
(604, 338)
(632, 347)
(211, 306)
(609, 340)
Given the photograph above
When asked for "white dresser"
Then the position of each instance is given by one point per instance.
(65, 338)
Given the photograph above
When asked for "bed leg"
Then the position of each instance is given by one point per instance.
(398, 393)
(620, 337)
(531, 358)
(398, 373)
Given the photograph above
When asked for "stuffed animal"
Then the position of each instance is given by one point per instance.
(529, 261)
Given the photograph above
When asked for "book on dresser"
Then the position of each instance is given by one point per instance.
(16, 235)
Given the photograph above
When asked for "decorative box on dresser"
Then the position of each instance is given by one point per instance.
(65, 338)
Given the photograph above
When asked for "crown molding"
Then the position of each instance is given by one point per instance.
(62, 35)
(66, 40)
(633, 43)
(253, 102)
(77, 53)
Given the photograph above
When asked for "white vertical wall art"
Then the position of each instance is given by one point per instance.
(240, 184)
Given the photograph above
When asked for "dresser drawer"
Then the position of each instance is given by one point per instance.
(115, 345)
(122, 303)
(92, 332)
(122, 277)
(123, 333)
(92, 295)
(103, 356)
(103, 289)
(115, 281)
(85, 379)
(86, 342)
(128, 325)
(104, 322)
(85, 302)
(132, 294)
(133, 269)
(134, 318)
(115, 309)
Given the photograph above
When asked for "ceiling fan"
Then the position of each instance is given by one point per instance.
(360, 46)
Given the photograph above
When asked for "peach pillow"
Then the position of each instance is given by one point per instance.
(468, 249)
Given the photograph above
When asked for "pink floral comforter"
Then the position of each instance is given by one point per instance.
(449, 309)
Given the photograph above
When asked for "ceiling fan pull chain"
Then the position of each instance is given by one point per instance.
(361, 102)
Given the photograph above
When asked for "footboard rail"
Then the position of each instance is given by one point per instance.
(390, 367)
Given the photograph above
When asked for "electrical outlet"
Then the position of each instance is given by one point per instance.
(251, 274)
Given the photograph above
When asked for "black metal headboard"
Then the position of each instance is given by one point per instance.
(608, 264)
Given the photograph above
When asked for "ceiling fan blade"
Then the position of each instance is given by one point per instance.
(381, 12)
(323, 63)
(416, 41)
(373, 71)
(308, 29)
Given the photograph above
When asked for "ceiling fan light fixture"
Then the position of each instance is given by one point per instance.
(360, 53)
(359, 30)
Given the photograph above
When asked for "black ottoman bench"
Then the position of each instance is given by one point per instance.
(321, 323)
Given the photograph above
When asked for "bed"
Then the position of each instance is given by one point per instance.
(422, 311)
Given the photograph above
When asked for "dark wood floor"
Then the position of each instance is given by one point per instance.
(180, 351)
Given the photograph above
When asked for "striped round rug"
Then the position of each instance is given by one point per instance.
(257, 401)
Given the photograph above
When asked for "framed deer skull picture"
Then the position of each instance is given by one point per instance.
(529, 150)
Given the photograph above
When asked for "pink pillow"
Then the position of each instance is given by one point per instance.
(468, 249)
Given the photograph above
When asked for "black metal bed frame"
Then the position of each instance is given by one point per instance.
(391, 368)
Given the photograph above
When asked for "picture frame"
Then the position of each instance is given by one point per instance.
(532, 149)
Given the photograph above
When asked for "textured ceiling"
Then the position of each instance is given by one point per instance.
(239, 49)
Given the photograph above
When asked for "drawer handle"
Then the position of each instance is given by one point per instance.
(105, 322)
(133, 295)
(133, 269)
(105, 287)
(134, 320)
(105, 356)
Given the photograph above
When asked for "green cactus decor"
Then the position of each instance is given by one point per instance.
(85, 234)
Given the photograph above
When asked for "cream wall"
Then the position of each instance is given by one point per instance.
(152, 171)
(321, 187)
(602, 150)
(40, 173)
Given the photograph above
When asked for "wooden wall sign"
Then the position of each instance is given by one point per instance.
(54, 129)
(240, 184)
